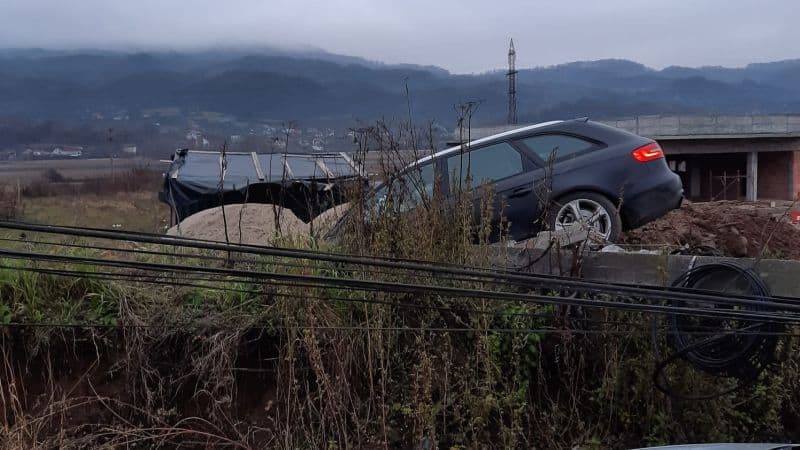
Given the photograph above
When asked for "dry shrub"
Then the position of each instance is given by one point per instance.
(9, 202)
(52, 183)
(312, 367)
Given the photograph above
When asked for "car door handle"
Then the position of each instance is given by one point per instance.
(520, 191)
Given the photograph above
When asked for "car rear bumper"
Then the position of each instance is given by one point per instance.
(653, 203)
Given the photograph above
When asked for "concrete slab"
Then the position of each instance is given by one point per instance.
(571, 234)
(659, 270)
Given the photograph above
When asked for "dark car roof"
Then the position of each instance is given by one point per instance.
(580, 126)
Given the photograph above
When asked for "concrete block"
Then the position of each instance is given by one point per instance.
(793, 123)
(734, 124)
(655, 270)
(688, 125)
(626, 124)
(769, 124)
(572, 234)
(668, 126)
(649, 125)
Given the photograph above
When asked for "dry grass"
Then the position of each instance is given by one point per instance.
(128, 201)
(24, 172)
(135, 211)
(305, 367)
(54, 183)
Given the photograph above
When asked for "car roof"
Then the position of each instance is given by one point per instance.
(487, 139)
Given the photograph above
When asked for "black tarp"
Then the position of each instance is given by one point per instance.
(305, 183)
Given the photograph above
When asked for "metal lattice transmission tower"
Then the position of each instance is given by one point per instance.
(512, 84)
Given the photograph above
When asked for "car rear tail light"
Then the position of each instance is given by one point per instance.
(649, 152)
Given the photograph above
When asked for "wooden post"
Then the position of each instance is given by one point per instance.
(18, 205)
(752, 176)
(725, 184)
(710, 184)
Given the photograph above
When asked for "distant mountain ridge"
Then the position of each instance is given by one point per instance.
(315, 86)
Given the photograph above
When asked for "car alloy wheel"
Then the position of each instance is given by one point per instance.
(589, 213)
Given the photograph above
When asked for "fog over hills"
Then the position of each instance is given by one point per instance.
(318, 87)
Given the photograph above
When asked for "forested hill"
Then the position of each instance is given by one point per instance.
(316, 86)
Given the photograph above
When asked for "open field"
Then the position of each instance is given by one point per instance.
(132, 211)
(128, 200)
(26, 172)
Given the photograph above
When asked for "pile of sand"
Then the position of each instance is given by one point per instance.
(732, 228)
(257, 225)
(322, 224)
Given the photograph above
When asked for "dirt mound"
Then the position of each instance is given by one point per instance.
(257, 225)
(732, 228)
(327, 219)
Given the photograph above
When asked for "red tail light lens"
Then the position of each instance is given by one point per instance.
(649, 152)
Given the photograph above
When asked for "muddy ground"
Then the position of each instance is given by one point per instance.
(729, 228)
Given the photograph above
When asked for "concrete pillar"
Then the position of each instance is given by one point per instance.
(694, 179)
(752, 176)
(794, 175)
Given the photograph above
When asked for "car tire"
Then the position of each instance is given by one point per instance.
(604, 215)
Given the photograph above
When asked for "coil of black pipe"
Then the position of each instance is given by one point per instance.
(742, 349)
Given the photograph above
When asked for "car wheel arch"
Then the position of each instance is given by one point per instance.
(593, 189)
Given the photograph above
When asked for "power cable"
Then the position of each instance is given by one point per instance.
(322, 281)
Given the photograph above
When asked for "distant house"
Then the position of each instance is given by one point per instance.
(318, 145)
(193, 135)
(129, 150)
(121, 115)
(35, 153)
(67, 151)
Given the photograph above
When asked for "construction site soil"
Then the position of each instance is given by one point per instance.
(728, 228)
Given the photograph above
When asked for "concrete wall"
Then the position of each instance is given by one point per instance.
(686, 126)
(795, 183)
(660, 270)
(744, 145)
(659, 126)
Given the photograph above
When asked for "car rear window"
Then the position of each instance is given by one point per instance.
(559, 145)
(485, 165)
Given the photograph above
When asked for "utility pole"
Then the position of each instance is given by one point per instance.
(512, 84)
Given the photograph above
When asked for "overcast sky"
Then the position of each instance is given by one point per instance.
(461, 36)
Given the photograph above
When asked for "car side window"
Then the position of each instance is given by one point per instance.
(407, 190)
(485, 165)
(559, 145)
